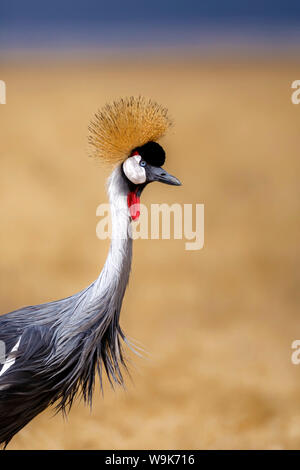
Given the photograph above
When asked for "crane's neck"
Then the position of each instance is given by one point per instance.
(97, 308)
(115, 274)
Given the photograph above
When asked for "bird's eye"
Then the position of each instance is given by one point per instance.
(143, 163)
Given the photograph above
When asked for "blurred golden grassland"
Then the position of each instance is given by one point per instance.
(218, 323)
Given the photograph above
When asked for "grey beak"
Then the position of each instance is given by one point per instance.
(161, 175)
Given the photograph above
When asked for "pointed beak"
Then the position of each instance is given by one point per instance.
(161, 175)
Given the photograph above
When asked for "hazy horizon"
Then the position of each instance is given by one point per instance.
(156, 25)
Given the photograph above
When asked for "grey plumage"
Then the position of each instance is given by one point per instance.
(65, 343)
(55, 350)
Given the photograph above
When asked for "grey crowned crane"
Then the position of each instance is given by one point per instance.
(55, 350)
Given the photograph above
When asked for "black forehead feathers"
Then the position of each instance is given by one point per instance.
(152, 153)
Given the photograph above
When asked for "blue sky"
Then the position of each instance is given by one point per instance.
(58, 23)
(37, 11)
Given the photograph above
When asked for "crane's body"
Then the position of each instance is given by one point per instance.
(55, 350)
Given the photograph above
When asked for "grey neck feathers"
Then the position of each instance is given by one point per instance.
(114, 277)
(99, 305)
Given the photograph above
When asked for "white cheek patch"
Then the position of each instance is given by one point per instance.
(132, 169)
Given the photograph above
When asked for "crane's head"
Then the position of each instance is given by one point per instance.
(143, 166)
(126, 132)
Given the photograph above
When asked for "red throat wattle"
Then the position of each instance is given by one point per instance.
(133, 202)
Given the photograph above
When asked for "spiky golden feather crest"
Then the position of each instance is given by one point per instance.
(125, 124)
